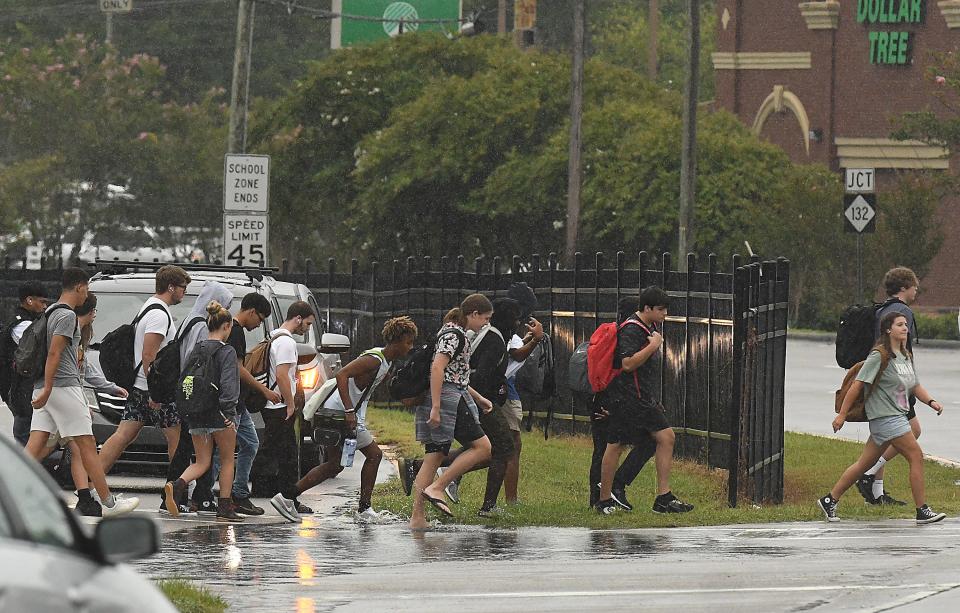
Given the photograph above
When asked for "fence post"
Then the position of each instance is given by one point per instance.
(374, 267)
(285, 266)
(354, 327)
(783, 282)
(621, 263)
(598, 266)
(551, 269)
(534, 270)
(711, 370)
(690, 276)
(331, 269)
(394, 273)
(641, 270)
(308, 269)
(444, 260)
(577, 267)
(515, 269)
(496, 274)
(408, 276)
(664, 278)
(461, 263)
(424, 282)
(478, 271)
(739, 340)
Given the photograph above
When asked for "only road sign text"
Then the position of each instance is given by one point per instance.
(860, 181)
(860, 212)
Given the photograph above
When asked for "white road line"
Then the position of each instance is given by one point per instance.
(933, 588)
(910, 599)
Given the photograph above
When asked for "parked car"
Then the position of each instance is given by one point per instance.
(54, 564)
(122, 288)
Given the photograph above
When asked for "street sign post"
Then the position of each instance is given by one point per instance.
(246, 207)
(246, 239)
(115, 6)
(860, 212)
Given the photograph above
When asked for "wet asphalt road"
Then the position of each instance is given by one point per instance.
(333, 563)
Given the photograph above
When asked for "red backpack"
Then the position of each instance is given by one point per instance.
(603, 346)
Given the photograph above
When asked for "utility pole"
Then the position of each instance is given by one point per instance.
(240, 90)
(575, 170)
(688, 152)
(109, 37)
(502, 17)
(653, 27)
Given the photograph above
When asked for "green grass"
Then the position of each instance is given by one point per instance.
(189, 597)
(553, 485)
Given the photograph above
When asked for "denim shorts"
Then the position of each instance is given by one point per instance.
(885, 429)
(204, 431)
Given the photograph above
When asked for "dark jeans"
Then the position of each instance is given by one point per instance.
(22, 415)
(280, 446)
(203, 492)
(629, 469)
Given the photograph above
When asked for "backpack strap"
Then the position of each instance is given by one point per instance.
(136, 320)
(187, 326)
(643, 326)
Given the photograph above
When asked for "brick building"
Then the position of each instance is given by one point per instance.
(824, 79)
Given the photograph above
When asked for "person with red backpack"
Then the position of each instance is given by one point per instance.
(632, 399)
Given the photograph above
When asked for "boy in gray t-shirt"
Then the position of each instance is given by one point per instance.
(62, 321)
(58, 402)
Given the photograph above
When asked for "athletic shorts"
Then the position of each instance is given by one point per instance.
(885, 429)
(495, 426)
(364, 438)
(206, 431)
(138, 409)
(66, 412)
(630, 422)
(513, 411)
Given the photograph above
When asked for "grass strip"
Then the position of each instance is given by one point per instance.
(189, 597)
(554, 491)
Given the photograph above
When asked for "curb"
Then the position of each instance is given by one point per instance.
(830, 337)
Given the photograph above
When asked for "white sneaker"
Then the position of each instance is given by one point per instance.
(121, 506)
(286, 508)
(368, 515)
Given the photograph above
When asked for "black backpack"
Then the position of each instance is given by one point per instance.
(857, 332)
(578, 379)
(198, 389)
(7, 348)
(537, 376)
(413, 378)
(525, 297)
(166, 368)
(116, 352)
(30, 358)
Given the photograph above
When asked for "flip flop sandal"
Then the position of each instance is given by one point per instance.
(438, 504)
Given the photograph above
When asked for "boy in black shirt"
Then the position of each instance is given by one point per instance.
(633, 401)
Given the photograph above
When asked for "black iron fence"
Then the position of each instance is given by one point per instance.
(724, 339)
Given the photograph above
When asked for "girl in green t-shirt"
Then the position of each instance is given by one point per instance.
(891, 376)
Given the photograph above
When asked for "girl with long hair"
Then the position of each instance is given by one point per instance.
(890, 374)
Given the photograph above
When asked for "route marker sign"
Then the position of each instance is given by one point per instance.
(860, 211)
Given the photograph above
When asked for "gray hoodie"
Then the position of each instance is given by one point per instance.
(210, 291)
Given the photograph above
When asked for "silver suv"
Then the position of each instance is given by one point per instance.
(123, 287)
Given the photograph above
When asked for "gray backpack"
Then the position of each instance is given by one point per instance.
(30, 357)
(577, 377)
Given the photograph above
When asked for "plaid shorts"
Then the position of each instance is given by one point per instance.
(138, 409)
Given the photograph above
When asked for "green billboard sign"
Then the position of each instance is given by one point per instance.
(380, 19)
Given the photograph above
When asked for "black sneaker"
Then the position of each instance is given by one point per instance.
(207, 508)
(245, 506)
(491, 512)
(828, 504)
(668, 503)
(926, 515)
(594, 496)
(619, 496)
(408, 473)
(302, 509)
(865, 487)
(606, 507)
(886, 498)
(88, 507)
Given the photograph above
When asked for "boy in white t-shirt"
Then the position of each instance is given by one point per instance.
(155, 328)
(280, 439)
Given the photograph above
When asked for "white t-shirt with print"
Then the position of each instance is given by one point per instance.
(157, 321)
(512, 365)
(283, 350)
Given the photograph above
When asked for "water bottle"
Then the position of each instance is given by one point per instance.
(349, 449)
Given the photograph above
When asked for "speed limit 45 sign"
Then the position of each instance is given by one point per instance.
(246, 239)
